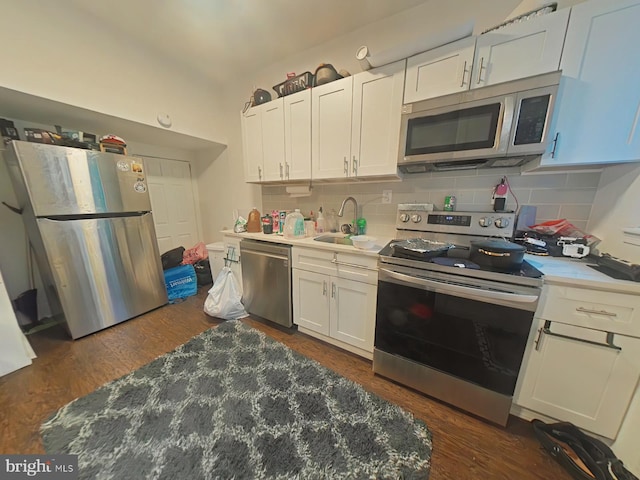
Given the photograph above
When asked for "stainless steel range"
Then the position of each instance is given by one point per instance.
(446, 326)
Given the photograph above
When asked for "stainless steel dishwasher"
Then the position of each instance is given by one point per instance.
(266, 280)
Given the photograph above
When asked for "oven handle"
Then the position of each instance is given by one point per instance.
(445, 287)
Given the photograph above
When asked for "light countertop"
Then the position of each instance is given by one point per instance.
(565, 271)
(311, 243)
(577, 273)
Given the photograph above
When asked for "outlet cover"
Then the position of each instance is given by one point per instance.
(386, 196)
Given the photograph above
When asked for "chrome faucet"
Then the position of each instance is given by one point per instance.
(355, 213)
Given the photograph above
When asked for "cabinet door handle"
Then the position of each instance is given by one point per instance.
(259, 172)
(324, 288)
(281, 170)
(597, 312)
(555, 144)
(608, 342)
(464, 73)
(355, 166)
(333, 290)
(537, 340)
(346, 167)
(286, 169)
(354, 265)
(480, 70)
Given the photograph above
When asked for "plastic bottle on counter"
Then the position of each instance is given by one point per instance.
(320, 222)
(253, 222)
(294, 225)
(275, 215)
(361, 226)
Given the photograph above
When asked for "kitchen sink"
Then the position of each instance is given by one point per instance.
(335, 238)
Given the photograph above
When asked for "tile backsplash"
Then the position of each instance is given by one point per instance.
(555, 195)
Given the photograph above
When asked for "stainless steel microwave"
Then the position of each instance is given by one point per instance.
(501, 125)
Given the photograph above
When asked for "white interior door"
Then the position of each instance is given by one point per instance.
(172, 203)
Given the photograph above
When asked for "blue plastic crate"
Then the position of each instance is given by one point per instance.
(181, 282)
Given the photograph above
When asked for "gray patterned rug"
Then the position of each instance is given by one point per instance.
(233, 403)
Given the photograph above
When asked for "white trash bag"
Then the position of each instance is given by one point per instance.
(224, 297)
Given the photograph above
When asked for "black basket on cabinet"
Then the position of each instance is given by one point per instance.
(295, 84)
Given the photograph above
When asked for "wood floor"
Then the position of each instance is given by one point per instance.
(464, 447)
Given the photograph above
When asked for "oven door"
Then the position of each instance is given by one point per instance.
(473, 330)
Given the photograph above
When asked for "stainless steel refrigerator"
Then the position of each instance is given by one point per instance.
(88, 218)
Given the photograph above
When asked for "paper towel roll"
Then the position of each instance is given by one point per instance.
(299, 191)
(367, 59)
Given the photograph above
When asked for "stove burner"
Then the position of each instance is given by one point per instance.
(455, 256)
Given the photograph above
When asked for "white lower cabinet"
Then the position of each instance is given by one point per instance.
(585, 376)
(334, 297)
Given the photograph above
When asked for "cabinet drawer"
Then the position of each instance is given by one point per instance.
(608, 311)
(356, 267)
(312, 260)
(361, 268)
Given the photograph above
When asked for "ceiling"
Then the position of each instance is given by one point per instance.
(221, 37)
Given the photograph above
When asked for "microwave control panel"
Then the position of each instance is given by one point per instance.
(532, 119)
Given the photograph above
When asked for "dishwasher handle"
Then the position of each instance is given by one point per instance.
(264, 254)
(265, 248)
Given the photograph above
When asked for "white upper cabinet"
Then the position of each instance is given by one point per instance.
(356, 124)
(297, 136)
(252, 144)
(331, 129)
(598, 106)
(376, 116)
(516, 51)
(440, 71)
(520, 50)
(273, 140)
(263, 142)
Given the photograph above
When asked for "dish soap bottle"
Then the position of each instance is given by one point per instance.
(253, 222)
(294, 225)
(320, 222)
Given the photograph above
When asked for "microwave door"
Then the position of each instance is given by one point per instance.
(471, 130)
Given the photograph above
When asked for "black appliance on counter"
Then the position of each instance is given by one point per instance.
(446, 326)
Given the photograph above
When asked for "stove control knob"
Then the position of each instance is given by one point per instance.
(502, 222)
(485, 221)
(404, 217)
(416, 218)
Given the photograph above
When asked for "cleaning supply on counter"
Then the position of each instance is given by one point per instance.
(275, 215)
(254, 224)
(294, 225)
(320, 222)
(361, 226)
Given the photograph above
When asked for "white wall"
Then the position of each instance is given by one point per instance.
(617, 206)
(221, 181)
(63, 55)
